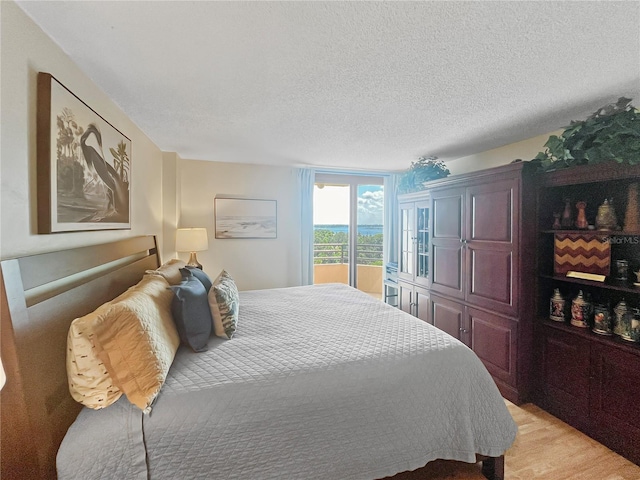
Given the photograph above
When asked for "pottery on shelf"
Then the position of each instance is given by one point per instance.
(581, 219)
(606, 218)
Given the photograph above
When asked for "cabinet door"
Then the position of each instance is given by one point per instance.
(449, 316)
(615, 393)
(446, 259)
(494, 339)
(565, 365)
(422, 243)
(491, 243)
(422, 305)
(405, 293)
(407, 244)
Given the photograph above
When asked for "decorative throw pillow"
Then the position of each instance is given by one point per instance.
(191, 312)
(170, 271)
(137, 340)
(200, 275)
(89, 381)
(225, 303)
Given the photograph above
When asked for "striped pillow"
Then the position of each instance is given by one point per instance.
(224, 303)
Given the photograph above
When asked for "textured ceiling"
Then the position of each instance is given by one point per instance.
(364, 85)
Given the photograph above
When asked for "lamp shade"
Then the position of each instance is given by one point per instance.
(191, 240)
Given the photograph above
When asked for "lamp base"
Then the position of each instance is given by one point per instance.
(193, 261)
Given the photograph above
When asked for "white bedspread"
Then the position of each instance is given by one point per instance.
(319, 382)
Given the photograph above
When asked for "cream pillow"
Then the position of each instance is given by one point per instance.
(137, 340)
(89, 382)
(170, 271)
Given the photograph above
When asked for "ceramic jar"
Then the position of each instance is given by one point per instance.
(556, 307)
(623, 321)
(635, 325)
(580, 311)
(606, 218)
(622, 270)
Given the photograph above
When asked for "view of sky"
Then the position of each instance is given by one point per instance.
(331, 205)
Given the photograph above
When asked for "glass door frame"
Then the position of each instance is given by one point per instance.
(353, 181)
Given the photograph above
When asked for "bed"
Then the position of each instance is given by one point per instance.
(318, 382)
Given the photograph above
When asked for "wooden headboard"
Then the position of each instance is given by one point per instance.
(41, 295)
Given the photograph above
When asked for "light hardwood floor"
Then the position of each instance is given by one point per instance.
(545, 449)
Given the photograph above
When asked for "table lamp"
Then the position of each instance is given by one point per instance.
(192, 240)
(3, 377)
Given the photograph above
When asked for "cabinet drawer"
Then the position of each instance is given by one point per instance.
(494, 340)
(565, 367)
(614, 397)
(449, 316)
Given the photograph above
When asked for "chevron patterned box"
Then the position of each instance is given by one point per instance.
(580, 252)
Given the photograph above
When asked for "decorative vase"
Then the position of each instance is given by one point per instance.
(580, 311)
(567, 217)
(556, 221)
(556, 308)
(632, 214)
(606, 218)
(581, 220)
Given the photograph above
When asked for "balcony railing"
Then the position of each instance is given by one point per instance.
(331, 265)
(328, 253)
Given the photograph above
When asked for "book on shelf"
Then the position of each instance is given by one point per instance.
(586, 276)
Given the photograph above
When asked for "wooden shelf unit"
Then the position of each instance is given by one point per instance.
(588, 380)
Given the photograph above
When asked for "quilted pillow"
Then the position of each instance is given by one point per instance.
(224, 303)
(89, 381)
(200, 275)
(137, 340)
(170, 271)
(191, 312)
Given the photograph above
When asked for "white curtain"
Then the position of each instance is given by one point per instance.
(306, 180)
(391, 223)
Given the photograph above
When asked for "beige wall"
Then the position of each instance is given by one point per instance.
(25, 50)
(253, 263)
(170, 203)
(524, 150)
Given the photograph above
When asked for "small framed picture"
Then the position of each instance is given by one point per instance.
(245, 218)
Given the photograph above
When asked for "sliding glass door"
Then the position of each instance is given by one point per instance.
(348, 231)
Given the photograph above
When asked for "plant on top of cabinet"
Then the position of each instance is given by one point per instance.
(424, 170)
(611, 133)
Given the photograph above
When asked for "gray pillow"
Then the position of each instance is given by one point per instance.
(191, 312)
(200, 275)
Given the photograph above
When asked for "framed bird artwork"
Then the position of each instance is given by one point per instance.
(84, 164)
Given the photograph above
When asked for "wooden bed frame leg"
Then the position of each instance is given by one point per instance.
(493, 467)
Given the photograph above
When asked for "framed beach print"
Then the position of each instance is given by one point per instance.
(245, 218)
(84, 165)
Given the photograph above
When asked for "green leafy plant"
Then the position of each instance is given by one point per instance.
(423, 170)
(611, 133)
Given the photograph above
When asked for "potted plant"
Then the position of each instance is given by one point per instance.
(421, 171)
(611, 133)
